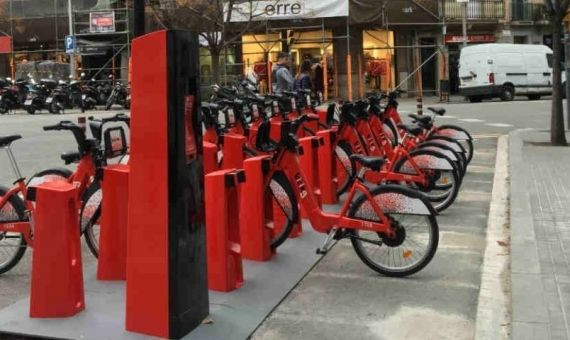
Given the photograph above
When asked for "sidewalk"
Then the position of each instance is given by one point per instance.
(540, 222)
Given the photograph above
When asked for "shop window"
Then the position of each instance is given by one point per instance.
(378, 60)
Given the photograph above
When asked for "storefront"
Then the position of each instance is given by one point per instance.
(317, 31)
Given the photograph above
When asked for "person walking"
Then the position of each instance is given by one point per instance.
(303, 78)
(282, 78)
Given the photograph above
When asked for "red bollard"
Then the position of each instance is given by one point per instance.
(210, 157)
(57, 272)
(327, 168)
(255, 211)
(232, 146)
(225, 270)
(112, 261)
(322, 113)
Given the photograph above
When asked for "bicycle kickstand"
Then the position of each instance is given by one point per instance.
(329, 242)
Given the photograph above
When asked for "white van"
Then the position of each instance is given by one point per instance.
(505, 71)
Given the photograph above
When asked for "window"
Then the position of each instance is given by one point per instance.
(550, 59)
(520, 39)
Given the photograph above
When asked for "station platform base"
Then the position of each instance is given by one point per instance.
(233, 315)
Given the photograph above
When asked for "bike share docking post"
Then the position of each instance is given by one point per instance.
(309, 162)
(112, 261)
(167, 289)
(210, 157)
(256, 213)
(328, 180)
(232, 150)
(225, 270)
(57, 271)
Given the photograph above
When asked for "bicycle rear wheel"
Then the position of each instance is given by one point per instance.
(417, 232)
(12, 245)
(282, 205)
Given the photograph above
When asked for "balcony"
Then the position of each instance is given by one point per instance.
(528, 12)
(482, 10)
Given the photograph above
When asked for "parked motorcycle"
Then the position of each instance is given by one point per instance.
(65, 96)
(13, 95)
(120, 96)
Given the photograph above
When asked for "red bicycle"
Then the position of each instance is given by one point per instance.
(392, 228)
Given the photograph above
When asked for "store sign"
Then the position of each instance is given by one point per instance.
(471, 38)
(286, 9)
(102, 22)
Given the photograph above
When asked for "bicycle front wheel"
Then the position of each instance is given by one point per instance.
(89, 218)
(12, 245)
(417, 232)
(281, 204)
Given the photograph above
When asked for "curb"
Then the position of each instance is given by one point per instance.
(493, 308)
(529, 309)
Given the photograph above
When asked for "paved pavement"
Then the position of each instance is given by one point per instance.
(340, 297)
(541, 234)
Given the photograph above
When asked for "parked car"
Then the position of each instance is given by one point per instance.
(505, 71)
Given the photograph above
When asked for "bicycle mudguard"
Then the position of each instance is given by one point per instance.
(395, 203)
(453, 132)
(397, 199)
(426, 159)
(388, 132)
(455, 146)
(434, 147)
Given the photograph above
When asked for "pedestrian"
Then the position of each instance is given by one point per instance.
(282, 78)
(303, 78)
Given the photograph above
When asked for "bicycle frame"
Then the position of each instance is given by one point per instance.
(321, 221)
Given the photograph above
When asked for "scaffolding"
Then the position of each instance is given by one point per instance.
(109, 46)
(38, 28)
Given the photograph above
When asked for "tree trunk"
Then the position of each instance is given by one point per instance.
(215, 66)
(557, 135)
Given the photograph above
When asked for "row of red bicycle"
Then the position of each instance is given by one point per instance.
(394, 178)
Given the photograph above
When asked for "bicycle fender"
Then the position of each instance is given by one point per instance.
(453, 133)
(388, 132)
(450, 154)
(426, 162)
(454, 146)
(396, 203)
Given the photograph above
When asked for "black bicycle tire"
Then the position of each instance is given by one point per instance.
(346, 148)
(282, 180)
(450, 199)
(433, 225)
(469, 140)
(92, 244)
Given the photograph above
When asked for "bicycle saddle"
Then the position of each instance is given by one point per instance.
(7, 140)
(420, 118)
(372, 163)
(437, 110)
(71, 157)
(411, 129)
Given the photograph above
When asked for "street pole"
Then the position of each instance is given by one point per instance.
(464, 23)
(72, 56)
(567, 64)
(138, 9)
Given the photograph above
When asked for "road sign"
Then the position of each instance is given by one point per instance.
(69, 44)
